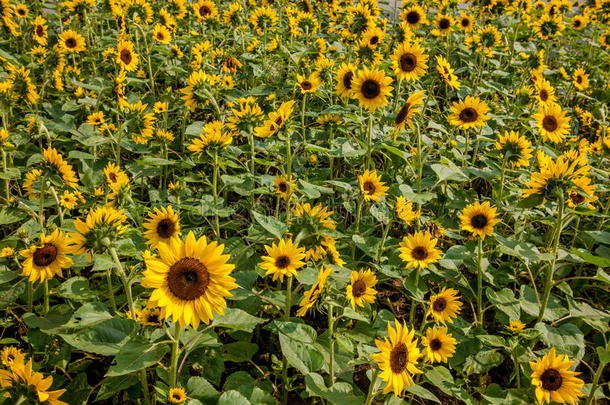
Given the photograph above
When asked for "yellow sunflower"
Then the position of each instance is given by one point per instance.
(439, 345)
(21, 375)
(360, 289)
(409, 61)
(161, 34)
(126, 57)
(176, 395)
(205, 10)
(284, 259)
(553, 123)
(345, 77)
(308, 84)
(444, 306)
(71, 41)
(284, 186)
(413, 16)
(46, 260)
(40, 30)
(581, 79)
(213, 135)
(516, 326)
(405, 115)
(371, 87)
(101, 225)
(557, 175)
(469, 113)
(554, 381)
(162, 226)
(418, 250)
(263, 19)
(11, 354)
(479, 219)
(53, 157)
(404, 210)
(371, 186)
(191, 279)
(398, 358)
(446, 71)
(148, 316)
(442, 25)
(466, 22)
(275, 121)
(545, 92)
(515, 148)
(68, 200)
(311, 296)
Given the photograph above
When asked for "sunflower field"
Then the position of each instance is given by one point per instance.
(265, 202)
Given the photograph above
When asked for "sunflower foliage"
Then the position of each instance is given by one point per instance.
(306, 202)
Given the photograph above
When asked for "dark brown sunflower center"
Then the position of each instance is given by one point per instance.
(45, 255)
(439, 305)
(70, 43)
(402, 114)
(126, 56)
(579, 79)
(160, 36)
(39, 31)
(408, 62)
(468, 114)
(358, 288)
(347, 80)
(177, 396)
(419, 253)
(465, 22)
(399, 358)
(306, 85)
(188, 279)
(551, 380)
(550, 123)
(112, 177)
(21, 11)
(576, 23)
(153, 318)
(11, 357)
(576, 198)
(204, 11)
(544, 95)
(283, 187)
(479, 221)
(282, 262)
(369, 187)
(370, 88)
(435, 344)
(413, 17)
(166, 228)
(444, 24)
(374, 40)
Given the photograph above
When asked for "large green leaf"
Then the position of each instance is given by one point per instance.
(135, 355)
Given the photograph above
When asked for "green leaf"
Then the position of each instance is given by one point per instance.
(77, 289)
(451, 172)
(339, 393)
(201, 389)
(492, 340)
(10, 215)
(114, 385)
(522, 250)
(600, 236)
(604, 354)
(238, 319)
(483, 361)
(135, 355)
(105, 338)
(233, 398)
(590, 258)
(530, 306)
(505, 301)
(300, 355)
(239, 351)
(421, 392)
(567, 338)
(602, 276)
(270, 224)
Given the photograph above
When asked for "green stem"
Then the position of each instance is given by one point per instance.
(304, 133)
(173, 375)
(420, 162)
(369, 142)
(371, 393)
(331, 339)
(59, 210)
(383, 239)
(215, 193)
(111, 291)
(517, 369)
(595, 382)
(413, 303)
(502, 173)
(480, 308)
(286, 317)
(30, 303)
(357, 231)
(123, 277)
(45, 308)
(7, 189)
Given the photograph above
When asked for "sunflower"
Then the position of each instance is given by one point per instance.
(404, 210)
(373, 37)
(517, 150)
(213, 135)
(553, 123)
(101, 225)
(409, 61)
(31, 178)
(479, 219)
(68, 200)
(95, 119)
(371, 186)
(469, 113)
(405, 115)
(516, 326)
(284, 186)
(46, 260)
(555, 176)
(40, 34)
(439, 345)
(311, 296)
(191, 279)
(205, 10)
(71, 41)
(581, 79)
(11, 354)
(284, 259)
(442, 25)
(360, 289)
(489, 38)
(398, 358)
(444, 306)
(579, 22)
(582, 193)
(21, 376)
(275, 121)
(418, 250)
(162, 226)
(604, 39)
(126, 57)
(176, 396)
(161, 34)
(115, 177)
(318, 214)
(148, 316)
(548, 27)
(345, 77)
(446, 71)
(65, 170)
(545, 92)
(413, 16)
(554, 381)
(466, 22)
(263, 19)
(371, 87)
(308, 84)
(7, 252)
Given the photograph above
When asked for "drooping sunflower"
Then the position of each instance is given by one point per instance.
(162, 34)
(554, 381)
(556, 176)
(205, 10)
(284, 186)
(71, 41)
(126, 57)
(284, 259)
(101, 224)
(409, 61)
(515, 148)
(398, 358)
(361, 288)
(176, 395)
(447, 73)
(20, 376)
(581, 79)
(371, 186)
(469, 113)
(405, 115)
(40, 34)
(444, 306)
(53, 157)
(275, 121)
(404, 210)
(443, 23)
(213, 135)
(311, 296)
(191, 279)
(439, 345)
(345, 77)
(553, 123)
(162, 225)
(414, 16)
(371, 87)
(418, 250)
(308, 84)
(479, 219)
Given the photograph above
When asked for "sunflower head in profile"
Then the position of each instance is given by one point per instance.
(444, 306)
(162, 226)
(469, 113)
(276, 120)
(176, 396)
(361, 288)
(47, 259)
(100, 229)
(371, 87)
(405, 114)
(413, 16)
(71, 41)
(213, 136)
(447, 73)
(371, 186)
(191, 280)
(439, 345)
(284, 186)
(345, 76)
(515, 148)
(553, 123)
(308, 84)
(419, 250)
(310, 297)
(409, 61)
(20, 380)
(479, 219)
(556, 177)
(283, 259)
(398, 358)
(553, 380)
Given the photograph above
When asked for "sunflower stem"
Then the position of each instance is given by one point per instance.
(502, 174)
(386, 230)
(331, 340)
(480, 309)
(215, 193)
(371, 392)
(45, 308)
(285, 360)
(173, 375)
(517, 369)
(123, 277)
(413, 303)
(7, 188)
(30, 298)
(304, 134)
(144, 382)
(357, 231)
(548, 285)
(111, 291)
(59, 210)
(594, 383)
(369, 141)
